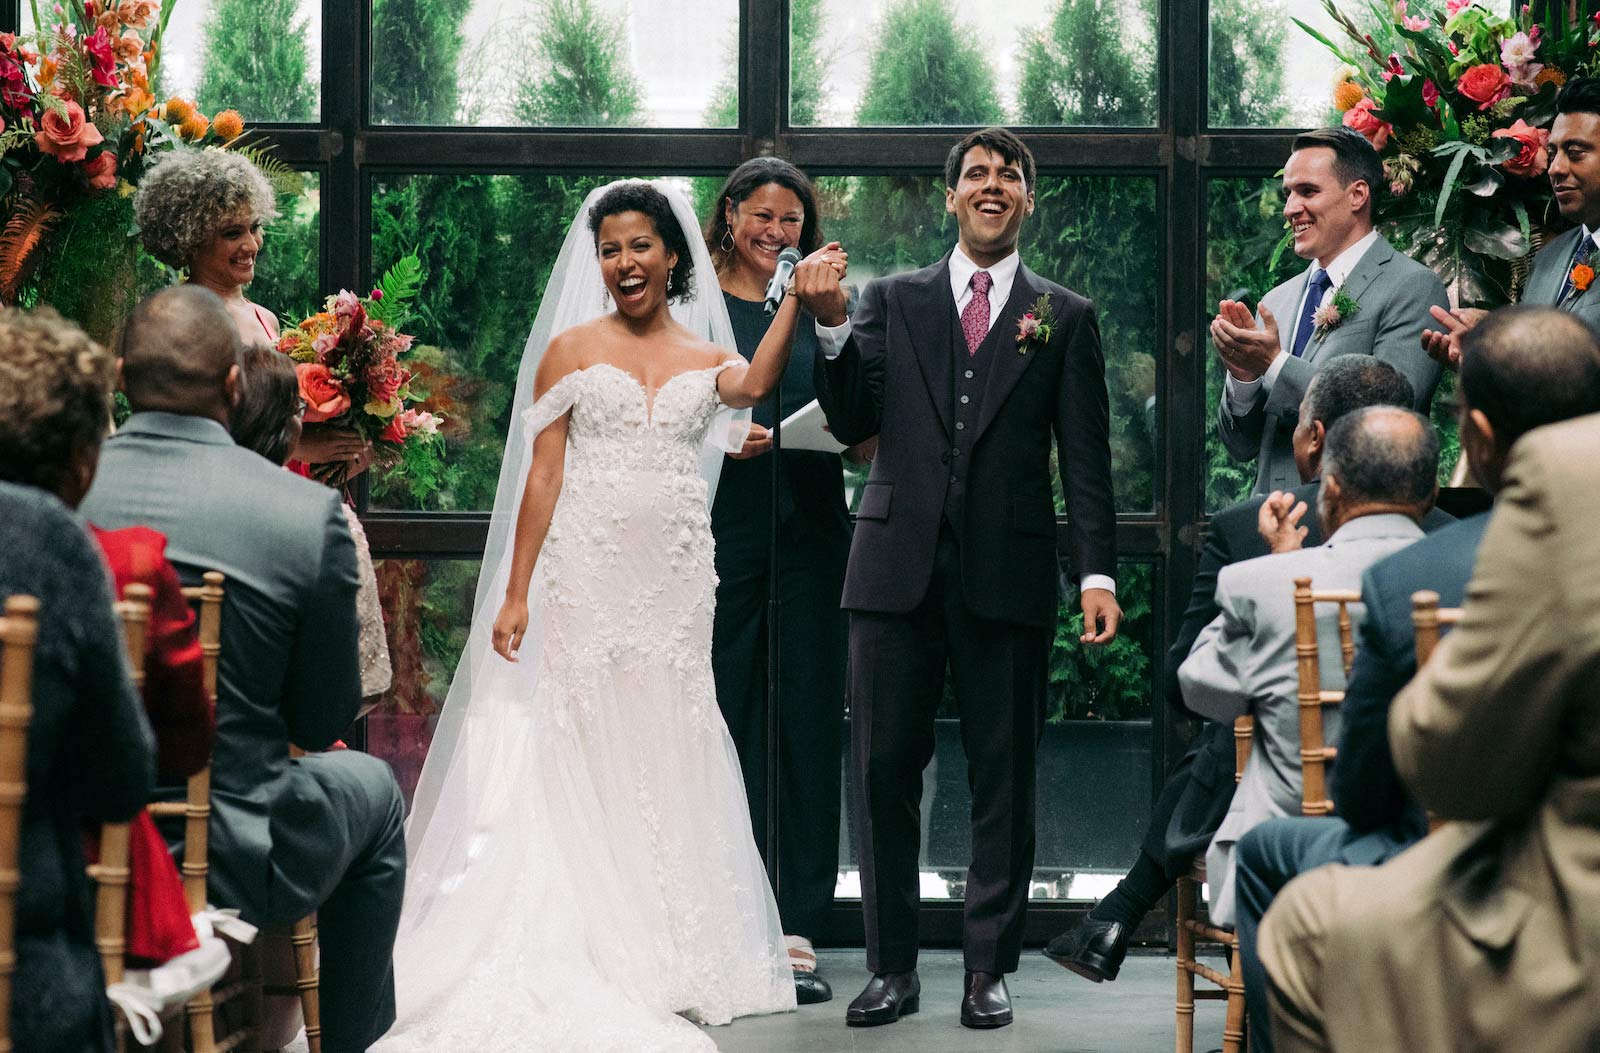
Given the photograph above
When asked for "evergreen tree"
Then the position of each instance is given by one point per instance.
(581, 74)
(256, 62)
(1246, 63)
(416, 45)
(1079, 69)
(927, 69)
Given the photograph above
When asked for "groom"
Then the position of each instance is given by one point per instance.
(954, 559)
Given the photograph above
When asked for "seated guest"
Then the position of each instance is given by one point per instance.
(91, 757)
(320, 833)
(1378, 472)
(268, 421)
(1523, 367)
(1483, 935)
(1197, 793)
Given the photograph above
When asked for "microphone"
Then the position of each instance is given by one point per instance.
(780, 277)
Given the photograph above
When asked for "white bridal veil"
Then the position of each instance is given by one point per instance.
(444, 832)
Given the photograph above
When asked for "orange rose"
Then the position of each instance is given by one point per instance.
(325, 397)
(102, 170)
(1582, 276)
(1484, 84)
(1530, 159)
(228, 125)
(66, 137)
(1361, 118)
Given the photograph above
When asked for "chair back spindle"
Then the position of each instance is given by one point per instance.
(19, 633)
(1315, 753)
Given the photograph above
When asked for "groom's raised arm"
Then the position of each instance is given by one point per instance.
(1083, 443)
(849, 373)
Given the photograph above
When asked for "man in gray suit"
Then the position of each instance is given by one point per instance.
(1378, 481)
(1574, 152)
(1358, 297)
(324, 832)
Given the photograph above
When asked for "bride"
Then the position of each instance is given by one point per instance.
(581, 872)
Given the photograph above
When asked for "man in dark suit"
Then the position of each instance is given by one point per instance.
(1522, 367)
(323, 832)
(1196, 796)
(965, 370)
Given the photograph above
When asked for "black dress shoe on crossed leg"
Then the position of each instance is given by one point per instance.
(985, 1002)
(886, 998)
(1094, 950)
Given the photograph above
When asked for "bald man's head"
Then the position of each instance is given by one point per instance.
(1379, 459)
(180, 354)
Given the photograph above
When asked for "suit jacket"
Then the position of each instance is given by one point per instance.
(91, 759)
(894, 379)
(1549, 274)
(1394, 293)
(1365, 789)
(289, 671)
(174, 673)
(1244, 661)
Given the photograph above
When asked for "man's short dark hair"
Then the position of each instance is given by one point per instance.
(1012, 150)
(1526, 366)
(1579, 95)
(1383, 454)
(1351, 382)
(1353, 159)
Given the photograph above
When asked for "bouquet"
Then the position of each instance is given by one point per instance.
(349, 360)
(1459, 101)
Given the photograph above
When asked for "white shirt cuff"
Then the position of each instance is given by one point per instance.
(831, 338)
(1270, 377)
(1098, 581)
(1241, 394)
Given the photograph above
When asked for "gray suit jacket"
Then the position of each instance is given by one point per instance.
(1549, 274)
(1394, 293)
(1244, 661)
(289, 669)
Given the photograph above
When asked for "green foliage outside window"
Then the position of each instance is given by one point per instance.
(256, 62)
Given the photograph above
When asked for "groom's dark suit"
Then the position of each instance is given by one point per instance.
(954, 560)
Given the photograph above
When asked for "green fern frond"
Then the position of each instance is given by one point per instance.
(74, 70)
(400, 285)
(286, 181)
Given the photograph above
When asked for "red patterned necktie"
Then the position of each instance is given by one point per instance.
(975, 316)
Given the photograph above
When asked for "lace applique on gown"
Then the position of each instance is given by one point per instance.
(614, 881)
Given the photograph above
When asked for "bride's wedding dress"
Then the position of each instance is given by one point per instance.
(614, 882)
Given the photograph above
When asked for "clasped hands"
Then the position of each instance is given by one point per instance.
(1245, 350)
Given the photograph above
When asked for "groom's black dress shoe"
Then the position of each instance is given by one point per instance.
(809, 988)
(886, 998)
(1094, 950)
(986, 1002)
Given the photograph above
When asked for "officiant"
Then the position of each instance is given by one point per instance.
(765, 206)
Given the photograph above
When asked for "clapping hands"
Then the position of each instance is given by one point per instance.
(1278, 522)
(1445, 347)
(1245, 350)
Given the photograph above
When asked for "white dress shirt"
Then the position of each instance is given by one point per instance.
(831, 339)
(1242, 393)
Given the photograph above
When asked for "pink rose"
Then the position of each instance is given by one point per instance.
(420, 420)
(1485, 84)
(102, 170)
(103, 52)
(394, 432)
(1361, 118)
(1430, 94)
(1530, 159)
(325, 397)
(66, 136)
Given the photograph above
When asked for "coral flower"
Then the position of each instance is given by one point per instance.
(1361, 118)
(1582, 276)
(228, 125)
(67, 136)
(1485, 84)
(1530, 159)
(102, 170)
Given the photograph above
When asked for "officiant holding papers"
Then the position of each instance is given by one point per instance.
(765, 206)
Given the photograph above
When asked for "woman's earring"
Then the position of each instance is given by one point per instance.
(727, 239)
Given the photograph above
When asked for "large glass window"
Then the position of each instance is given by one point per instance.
(1265, 71)
(556, 63)
(933, 62)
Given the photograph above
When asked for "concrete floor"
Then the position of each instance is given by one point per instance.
(1056, 1012)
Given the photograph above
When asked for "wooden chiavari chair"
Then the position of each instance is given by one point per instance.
(19, 632)
(1315, 753)
(1427, 619)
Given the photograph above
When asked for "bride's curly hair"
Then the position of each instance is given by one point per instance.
(642, 197)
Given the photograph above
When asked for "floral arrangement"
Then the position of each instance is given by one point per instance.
(1459, 101)
(348, 358)
(78, 128)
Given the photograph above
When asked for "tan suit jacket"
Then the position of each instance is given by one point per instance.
(1485, 935)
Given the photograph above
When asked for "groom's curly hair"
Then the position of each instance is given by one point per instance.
(642, 197)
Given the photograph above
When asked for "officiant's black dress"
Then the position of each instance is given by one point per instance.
(814, 542)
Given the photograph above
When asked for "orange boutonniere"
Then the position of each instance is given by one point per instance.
(1582, 276)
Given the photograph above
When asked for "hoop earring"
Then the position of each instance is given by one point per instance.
(726, 244)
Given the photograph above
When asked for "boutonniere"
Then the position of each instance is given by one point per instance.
(1582, 276)
(1034, 325)
(1333, 314)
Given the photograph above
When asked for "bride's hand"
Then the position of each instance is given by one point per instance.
(817, 283)
(509, 626)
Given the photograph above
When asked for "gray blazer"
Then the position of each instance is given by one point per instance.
(1394, 293)
(1244, 662)
(1549, 274)
(289, 669)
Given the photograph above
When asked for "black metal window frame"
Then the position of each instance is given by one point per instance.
(349, 152)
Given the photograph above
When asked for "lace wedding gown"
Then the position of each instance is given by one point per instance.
(613, 882)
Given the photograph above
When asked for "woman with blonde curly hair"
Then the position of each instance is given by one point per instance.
(202, 212)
